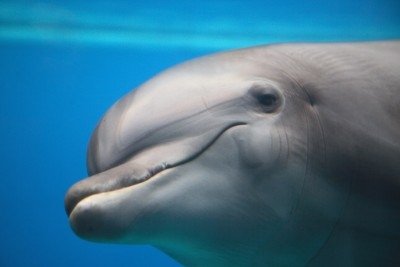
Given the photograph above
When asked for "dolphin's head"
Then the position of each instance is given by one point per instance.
(198, 161)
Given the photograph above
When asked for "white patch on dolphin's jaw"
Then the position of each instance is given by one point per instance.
(134, 171)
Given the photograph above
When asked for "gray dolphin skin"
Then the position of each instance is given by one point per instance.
(280, 155)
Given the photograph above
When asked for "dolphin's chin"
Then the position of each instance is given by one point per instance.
(143, 167)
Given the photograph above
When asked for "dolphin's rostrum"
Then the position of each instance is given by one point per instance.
(282, 155)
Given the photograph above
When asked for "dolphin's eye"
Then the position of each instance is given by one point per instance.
(268, 99)
(267, 96)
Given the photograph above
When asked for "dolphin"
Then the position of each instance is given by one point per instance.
(278, 155)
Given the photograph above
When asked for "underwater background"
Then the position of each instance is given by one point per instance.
(64, 63)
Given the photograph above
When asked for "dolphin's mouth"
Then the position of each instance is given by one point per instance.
(140, 168)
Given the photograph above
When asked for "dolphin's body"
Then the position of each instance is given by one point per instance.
(283, 155)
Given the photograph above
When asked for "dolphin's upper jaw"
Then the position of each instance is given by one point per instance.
(144, 166)
(125, 175)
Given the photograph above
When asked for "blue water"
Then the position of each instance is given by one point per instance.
(62, 64)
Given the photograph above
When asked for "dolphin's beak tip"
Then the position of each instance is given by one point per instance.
(71, 199)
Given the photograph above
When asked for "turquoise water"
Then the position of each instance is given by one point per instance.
(216, 25)
(62, 64)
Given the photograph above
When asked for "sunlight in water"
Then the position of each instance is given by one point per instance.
(214, 28)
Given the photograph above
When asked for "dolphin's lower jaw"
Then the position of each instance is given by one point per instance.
(132, 173)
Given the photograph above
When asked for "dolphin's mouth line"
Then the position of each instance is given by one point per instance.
(165, 165)
(102, 184)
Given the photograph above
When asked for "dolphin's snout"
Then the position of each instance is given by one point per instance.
(124, 175)
(143, 166)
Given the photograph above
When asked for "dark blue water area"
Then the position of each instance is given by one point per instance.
(51, 98)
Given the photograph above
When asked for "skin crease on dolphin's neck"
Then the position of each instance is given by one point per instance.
(285, 155)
